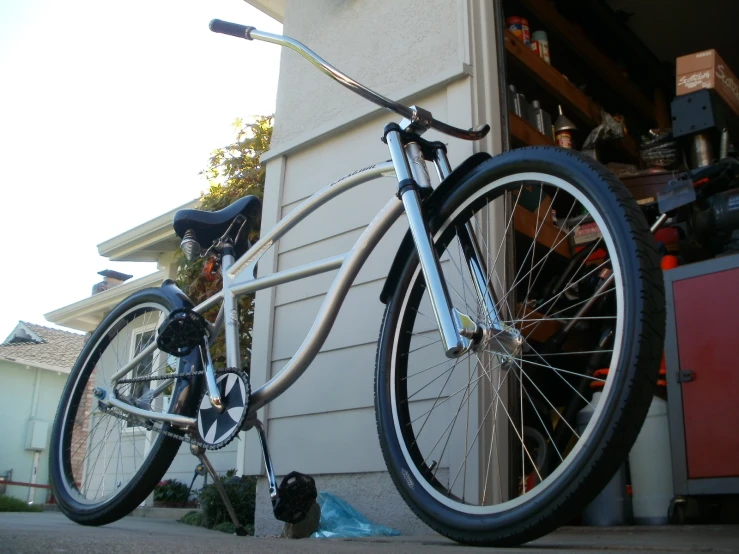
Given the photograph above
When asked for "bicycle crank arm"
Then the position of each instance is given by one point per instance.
(210, 378)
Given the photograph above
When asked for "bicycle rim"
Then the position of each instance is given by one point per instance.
(101, 454)
(487, 432)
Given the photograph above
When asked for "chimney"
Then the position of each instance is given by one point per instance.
(110, 279)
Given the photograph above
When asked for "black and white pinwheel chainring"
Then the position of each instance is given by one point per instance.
(216, 430)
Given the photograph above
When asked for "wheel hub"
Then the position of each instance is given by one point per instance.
(507, 342)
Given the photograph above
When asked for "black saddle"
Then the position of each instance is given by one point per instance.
(210, 226)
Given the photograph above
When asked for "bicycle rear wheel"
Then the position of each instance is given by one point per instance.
(488, 448)
(103, 466)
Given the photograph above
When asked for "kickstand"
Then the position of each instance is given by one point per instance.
(199, 451)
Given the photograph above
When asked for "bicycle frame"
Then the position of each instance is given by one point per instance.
(238, 281)
(408, 164)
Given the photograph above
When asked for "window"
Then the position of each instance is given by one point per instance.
(144, 367)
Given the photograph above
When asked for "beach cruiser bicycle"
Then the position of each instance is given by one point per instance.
(500, 323)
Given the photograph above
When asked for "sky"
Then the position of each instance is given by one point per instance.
(108, 111)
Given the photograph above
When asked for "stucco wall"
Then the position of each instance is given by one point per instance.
(392, 47)
(16, 408)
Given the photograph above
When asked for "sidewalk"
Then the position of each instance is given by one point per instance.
(50, 532)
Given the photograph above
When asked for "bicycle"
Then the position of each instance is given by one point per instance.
(494, 331)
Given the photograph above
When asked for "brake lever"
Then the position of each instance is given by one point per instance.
(476, 133)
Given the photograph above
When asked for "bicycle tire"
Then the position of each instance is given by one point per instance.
(551, 499)
(77, 444)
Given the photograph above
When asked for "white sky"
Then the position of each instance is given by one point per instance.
(108, 110)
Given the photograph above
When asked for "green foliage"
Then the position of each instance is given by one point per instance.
(12, 504)
(241, 491)
(171, 491)
(225, 527)
(193, 518)
(233, 171)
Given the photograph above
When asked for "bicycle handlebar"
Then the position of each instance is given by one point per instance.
(411, 113)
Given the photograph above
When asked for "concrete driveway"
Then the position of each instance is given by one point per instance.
(52, 533)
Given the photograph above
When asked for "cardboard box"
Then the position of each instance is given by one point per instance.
(707, 70)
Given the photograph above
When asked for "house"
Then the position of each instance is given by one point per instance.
(34, 364)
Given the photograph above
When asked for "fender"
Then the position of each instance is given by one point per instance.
(429, 204)
(187, 391)
(175, 295)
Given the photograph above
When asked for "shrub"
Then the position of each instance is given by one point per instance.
(225, 527)
(171, 491)
(12, 504)
(193, 518)
(241, 491)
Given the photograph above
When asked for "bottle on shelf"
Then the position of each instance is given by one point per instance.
(541, 41)
(519, 103)
(563, 129)
(540, 119)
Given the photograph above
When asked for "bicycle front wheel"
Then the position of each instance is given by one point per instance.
(103, 463)
(510, 440)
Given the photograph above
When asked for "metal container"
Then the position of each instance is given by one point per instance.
(563, 129)
(701, 153)
(542, 40)
(519, 104)
(540, 119)
(519, 26)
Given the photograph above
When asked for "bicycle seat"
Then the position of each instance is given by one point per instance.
(209, 226)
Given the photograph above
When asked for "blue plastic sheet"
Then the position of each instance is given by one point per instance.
(339, 520)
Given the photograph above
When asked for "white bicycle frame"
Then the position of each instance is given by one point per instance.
(409, 167)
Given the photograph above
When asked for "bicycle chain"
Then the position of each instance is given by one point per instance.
(185, 437)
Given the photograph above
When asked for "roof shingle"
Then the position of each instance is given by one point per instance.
(58, 349)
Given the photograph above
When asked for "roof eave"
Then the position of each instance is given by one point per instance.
(273, 8)
(145, 242)
(87, 314)
(28, 363)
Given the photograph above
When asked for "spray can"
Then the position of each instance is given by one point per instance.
(542, 41)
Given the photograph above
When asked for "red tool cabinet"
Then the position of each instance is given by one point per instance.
(702, 360)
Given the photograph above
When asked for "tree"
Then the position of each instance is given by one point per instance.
(233, 171)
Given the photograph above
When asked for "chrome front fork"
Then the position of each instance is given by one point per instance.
(456, 329)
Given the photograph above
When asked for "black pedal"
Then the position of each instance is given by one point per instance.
(295, 495)
(183, 331)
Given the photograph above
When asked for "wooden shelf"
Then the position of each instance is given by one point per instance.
(526, 222)
(559, 87)
(540, 71)
(524, 132)
(572, 36)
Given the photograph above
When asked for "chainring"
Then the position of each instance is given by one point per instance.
(215, 429)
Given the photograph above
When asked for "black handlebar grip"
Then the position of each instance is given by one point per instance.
(228, 28)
